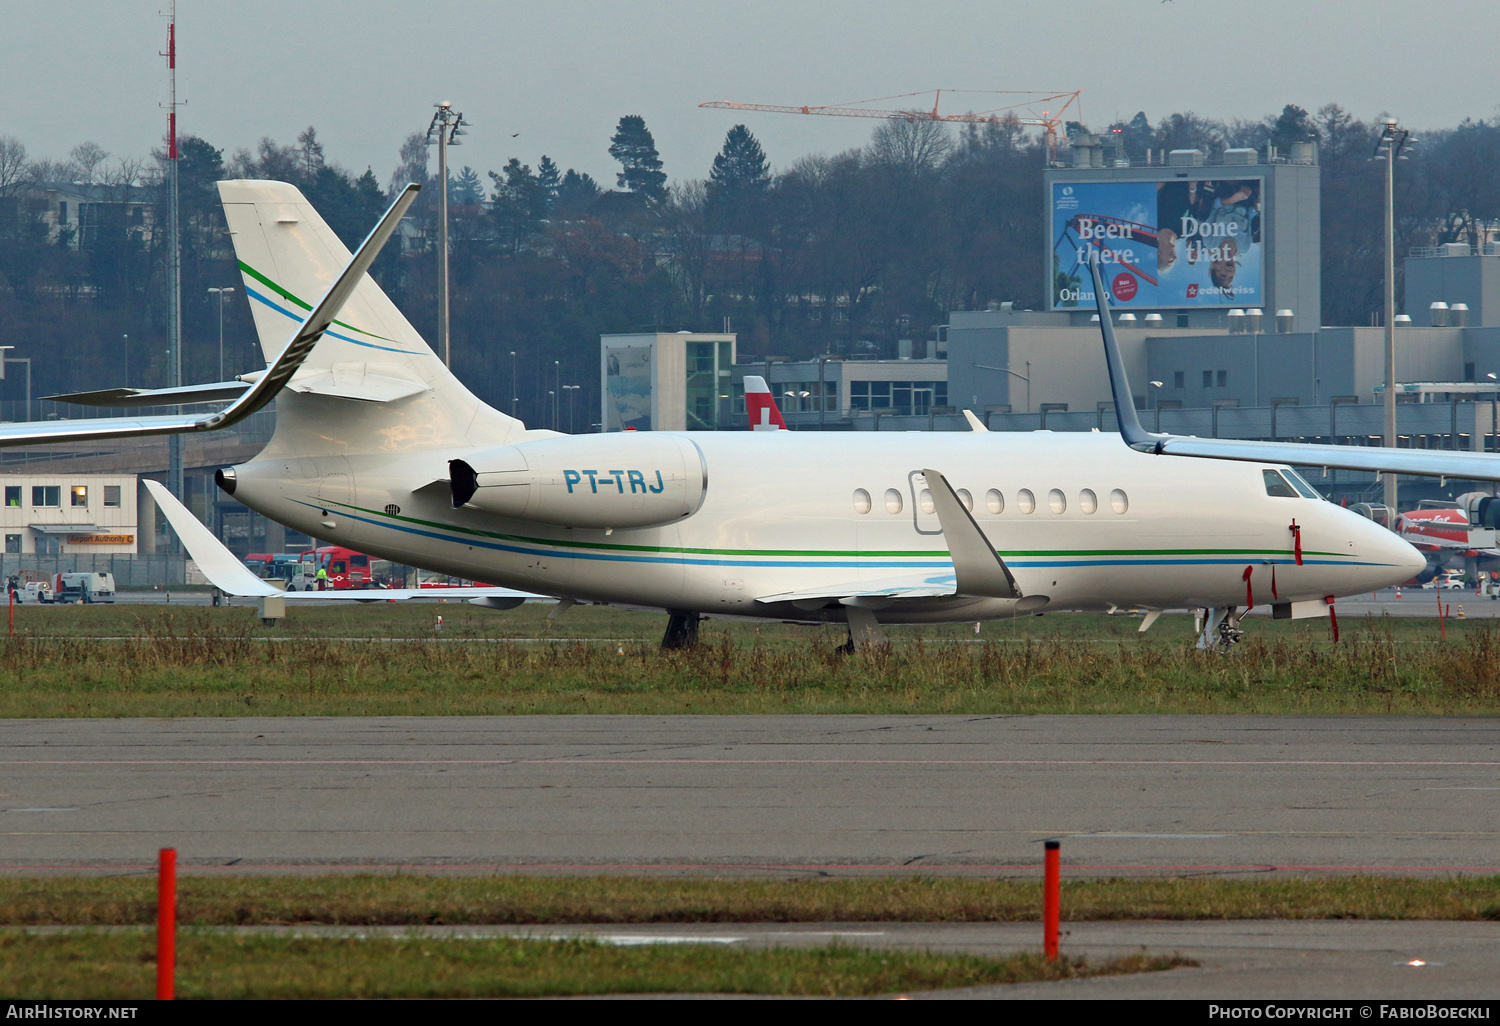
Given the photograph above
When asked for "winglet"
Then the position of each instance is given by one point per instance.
(1131, 430)
(979, 568)
(761, 405)
(218, 564)
(975, 424)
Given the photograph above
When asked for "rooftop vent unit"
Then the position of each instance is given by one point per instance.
(1286, 321)
(1253, 318)
(1241, 156)
(1236, 321)
(1185, 158)
(1458, 315)
(1438, 312)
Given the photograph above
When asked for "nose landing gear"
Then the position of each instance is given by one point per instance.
(1218, 633)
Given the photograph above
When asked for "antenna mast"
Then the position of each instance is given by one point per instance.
(174, 258)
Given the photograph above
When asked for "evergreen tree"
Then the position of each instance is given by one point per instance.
(1293, 126)
(740, 167)
(635, 149)
(576, 193)
(466, 189)
(548, 179)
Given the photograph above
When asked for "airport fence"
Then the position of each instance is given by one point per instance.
(155, 570)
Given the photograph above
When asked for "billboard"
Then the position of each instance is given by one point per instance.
(1177, 243)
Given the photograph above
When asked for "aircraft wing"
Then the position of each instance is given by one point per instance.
(1378, 459)
(910, 586)
(232, 577)
(251, 399)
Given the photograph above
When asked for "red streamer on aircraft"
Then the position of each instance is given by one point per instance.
(1274, 596)
(1249, 594)
(1296, 541)
(1333, 617)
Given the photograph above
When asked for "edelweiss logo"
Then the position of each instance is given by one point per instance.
(1192, 292)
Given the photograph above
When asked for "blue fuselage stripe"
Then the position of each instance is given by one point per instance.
(852, 562)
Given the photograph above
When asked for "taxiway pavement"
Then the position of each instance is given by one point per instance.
(756, 794)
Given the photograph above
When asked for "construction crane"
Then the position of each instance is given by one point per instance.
(1028, 110)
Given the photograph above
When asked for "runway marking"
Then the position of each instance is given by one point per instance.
(326, 868)
(41, 810)
(584, 760)
(1172, 837)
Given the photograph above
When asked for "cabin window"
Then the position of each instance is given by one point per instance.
(861, 501)
(1026, 501)
(995, 501)
(967, 498)
(924, 500)
(892, 500)
(1057, 501)
(1088, 501)
(1119, 501)
(1277, 485)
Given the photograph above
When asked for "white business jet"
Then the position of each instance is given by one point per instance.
(380, 448)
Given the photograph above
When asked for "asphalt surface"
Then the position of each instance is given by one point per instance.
(817, 796)
(757, 794)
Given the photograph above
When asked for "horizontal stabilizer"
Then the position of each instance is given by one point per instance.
(212, 392)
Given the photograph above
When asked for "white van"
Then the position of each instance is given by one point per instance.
(85, 587)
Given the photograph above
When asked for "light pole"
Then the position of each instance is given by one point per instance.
(126, 339)
(513, 397)
(222, 294)
(1388, 148)
(447, 125)
(557, 386)
(552, 402)
(572, 391)
(1494, 438)
(1156, 402)
(1024, 377)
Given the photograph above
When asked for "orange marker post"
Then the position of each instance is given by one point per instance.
(166, 925)
(1051, 899)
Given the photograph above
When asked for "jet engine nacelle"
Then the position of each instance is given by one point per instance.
(615, 480)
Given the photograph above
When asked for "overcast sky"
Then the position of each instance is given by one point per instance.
(561, 72)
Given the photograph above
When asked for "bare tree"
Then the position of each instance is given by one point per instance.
(15, 169)
(87, 159)
(917, 146)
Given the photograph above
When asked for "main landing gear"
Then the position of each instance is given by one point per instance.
(1217, 633)
(682, 629)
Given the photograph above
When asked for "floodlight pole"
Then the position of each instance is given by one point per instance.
(447, 124)
(221, 294)
(1392, 139)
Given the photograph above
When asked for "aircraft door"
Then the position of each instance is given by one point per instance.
(924, 517)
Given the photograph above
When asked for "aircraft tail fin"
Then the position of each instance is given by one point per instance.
(760, 404)
(371, 371)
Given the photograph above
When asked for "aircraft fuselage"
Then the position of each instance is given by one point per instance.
(1083, 522)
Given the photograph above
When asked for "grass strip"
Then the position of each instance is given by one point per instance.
(205, 662)
(120, 966)
(410, 900)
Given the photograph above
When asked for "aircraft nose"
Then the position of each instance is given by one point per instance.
(1403, 557)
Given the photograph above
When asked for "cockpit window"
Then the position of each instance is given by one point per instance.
(1300, 483)
(1276, 485)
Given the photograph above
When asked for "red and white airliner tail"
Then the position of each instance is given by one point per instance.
(761, 405)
